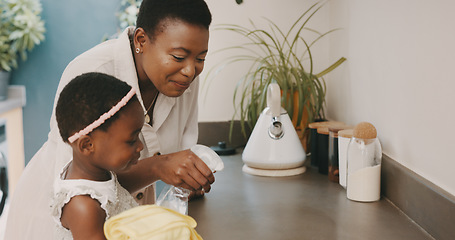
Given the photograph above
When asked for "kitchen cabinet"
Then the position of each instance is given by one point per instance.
(11, 111)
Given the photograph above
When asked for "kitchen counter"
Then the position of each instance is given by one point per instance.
(307, 206)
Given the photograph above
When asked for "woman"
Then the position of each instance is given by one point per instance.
(161, 58)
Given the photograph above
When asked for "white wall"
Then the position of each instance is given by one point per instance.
(398, 74)
(398, 77)
(216, 96)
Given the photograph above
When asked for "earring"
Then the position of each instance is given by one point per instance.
(138, 50)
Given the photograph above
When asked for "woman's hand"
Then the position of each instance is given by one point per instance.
(196, 194)
(184, 169)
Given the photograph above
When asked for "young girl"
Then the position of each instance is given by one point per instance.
(101, 118)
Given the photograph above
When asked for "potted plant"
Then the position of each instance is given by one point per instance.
(282, 57)
(21, 29)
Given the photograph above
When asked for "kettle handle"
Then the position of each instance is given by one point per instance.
(274, 99)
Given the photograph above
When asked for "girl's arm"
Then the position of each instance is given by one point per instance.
(84, 217)
(181, 169)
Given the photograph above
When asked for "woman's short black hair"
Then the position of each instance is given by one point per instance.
(85, 99)
(153, 14)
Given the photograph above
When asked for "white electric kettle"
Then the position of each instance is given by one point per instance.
(273, 144)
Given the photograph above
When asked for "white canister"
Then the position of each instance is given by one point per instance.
(364, 165)
(344, 136)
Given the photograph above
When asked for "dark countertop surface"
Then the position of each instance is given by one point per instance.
(307, 206)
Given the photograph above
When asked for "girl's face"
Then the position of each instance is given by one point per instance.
(119, 147)
(174, 58)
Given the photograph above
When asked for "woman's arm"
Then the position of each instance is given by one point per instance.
(84, 217)
(182, 169)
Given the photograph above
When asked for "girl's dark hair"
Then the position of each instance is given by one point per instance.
(85, 99)
(153, 14)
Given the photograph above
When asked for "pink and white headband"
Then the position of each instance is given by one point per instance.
(103, 117)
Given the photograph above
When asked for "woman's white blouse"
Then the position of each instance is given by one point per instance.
(174, 128)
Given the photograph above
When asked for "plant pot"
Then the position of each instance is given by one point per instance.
(4, 83)
(302, 129)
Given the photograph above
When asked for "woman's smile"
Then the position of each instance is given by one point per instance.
(181, 85)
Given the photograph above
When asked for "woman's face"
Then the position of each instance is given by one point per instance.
(174, 58)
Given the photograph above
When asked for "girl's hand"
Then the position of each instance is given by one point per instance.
(184, 169)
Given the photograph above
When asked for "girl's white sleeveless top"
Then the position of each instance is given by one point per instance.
(113, 198)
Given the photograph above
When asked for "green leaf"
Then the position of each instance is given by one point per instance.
(21, 29)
